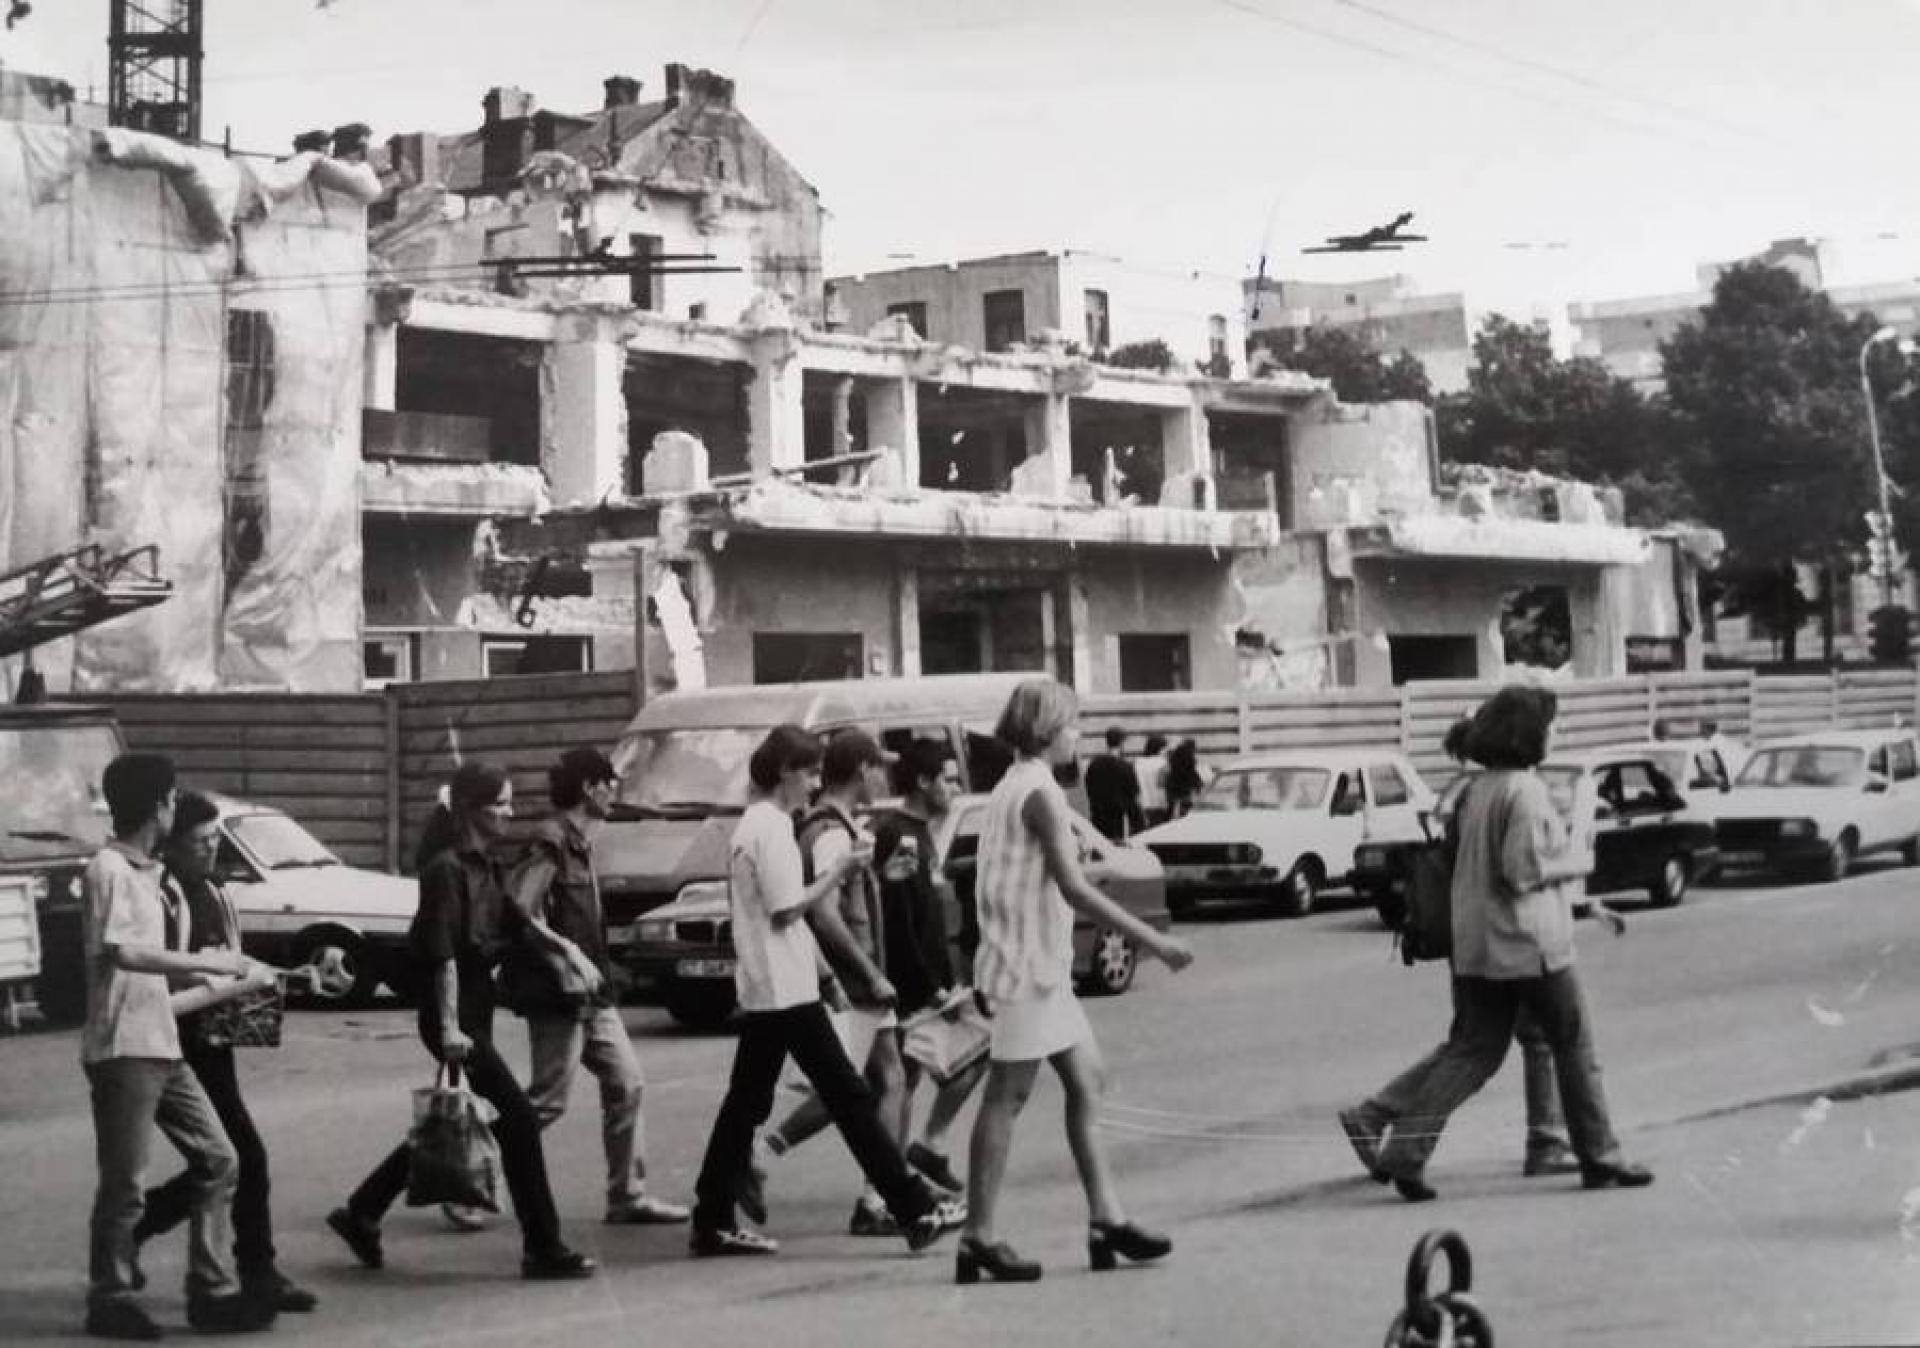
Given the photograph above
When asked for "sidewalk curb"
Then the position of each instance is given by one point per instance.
(1860, 1086)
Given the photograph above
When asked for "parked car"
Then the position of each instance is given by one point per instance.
(1811, 804)
(685, 948)
(1284, 826)
(299, 903)
(1642, 830)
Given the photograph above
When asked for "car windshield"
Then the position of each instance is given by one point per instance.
(1266, 789)
(693, 770)
(278, 843)
(1806, 765)
(50, 801)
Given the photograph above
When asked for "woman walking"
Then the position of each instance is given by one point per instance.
(1516, 873)
(459, 934)
(1030, 886)
(1184, 780)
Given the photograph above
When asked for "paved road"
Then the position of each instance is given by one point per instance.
(1775, 1220)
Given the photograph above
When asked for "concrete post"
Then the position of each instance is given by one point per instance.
(1185, 443)
(843, 416)
(776, 418)
(382, 375)
(1078, 635)
(585, 419)
(893, 422)
(1050, 439)
(1599, 606)
(906, 622)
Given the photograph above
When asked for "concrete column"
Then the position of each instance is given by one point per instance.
(1049, 440)
(382, 375)
(843, 416)
(584, 414)
(1599, 603)
(1080, 636)
(893, 422)
(1185, 444)
(776, 418)
(906, 622)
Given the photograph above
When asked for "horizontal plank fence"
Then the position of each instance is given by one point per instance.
(361, 770)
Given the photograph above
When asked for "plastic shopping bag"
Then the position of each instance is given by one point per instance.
(453, 1157)
(948, 1040)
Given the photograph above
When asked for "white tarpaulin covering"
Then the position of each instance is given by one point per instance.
(115, 391)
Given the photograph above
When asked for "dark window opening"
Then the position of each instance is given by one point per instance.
(478, 390)
(706, 399)
(1536, 625)
(1153, 662)
(834, 410)
(801, 657)
(915, 312)
(507, 657)
(978, 622)
(1417, 658)
(970, 439)
(250, 386)
(1005, 315)
(1099, 321)
(1134, 441)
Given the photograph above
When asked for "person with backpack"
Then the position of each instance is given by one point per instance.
(1547, 1150)
(1515, 874)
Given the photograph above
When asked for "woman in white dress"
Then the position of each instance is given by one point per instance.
(1029, 887)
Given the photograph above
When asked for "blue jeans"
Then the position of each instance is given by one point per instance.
(131, 1096)
(561, 1045)
(1546, 1128)
(1484, 1014)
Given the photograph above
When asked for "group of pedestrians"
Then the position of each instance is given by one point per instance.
(841, 943)
(1128, 795)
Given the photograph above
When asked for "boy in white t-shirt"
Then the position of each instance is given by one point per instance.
(777, 979)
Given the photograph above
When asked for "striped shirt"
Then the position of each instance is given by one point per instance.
(1026, 928)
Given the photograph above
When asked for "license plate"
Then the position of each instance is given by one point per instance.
(1743, 858)
(704, 968)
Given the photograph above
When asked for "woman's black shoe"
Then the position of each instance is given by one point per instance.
(554, 1267)
(1414, 1190)
(1106, 1240)
(234, 1313)
(998, 1261)
(1614, 1175)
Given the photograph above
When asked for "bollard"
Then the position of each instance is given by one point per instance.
(1452, 1319)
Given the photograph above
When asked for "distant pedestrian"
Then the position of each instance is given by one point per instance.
(1030, 887)
(1516, 872)
(562, 984)
(775, 912)
(1113, 790)
(214, 925)
(459, 934)
(1150, 770)
(1184, 780)
(136, 1074)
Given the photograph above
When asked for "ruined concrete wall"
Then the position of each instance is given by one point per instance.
(1145, 303)
(1160, 593)
(796, 585)
(1348, 464)
(1282, 604)
(955, 298)
(1432, 598)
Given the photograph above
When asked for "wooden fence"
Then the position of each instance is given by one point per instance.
(361, 770)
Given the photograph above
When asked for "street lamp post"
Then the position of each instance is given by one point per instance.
(1885, 568)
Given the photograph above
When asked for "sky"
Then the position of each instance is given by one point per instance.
(1553, 151)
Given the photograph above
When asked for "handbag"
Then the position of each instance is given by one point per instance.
(251, 1020)
(1426, 933)
(452, 1154)
(948, 1040)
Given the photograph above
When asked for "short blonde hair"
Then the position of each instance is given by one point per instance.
(1035, 713)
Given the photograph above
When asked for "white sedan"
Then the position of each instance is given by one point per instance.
(1283, 826)
(1813, 803)
(300, 904)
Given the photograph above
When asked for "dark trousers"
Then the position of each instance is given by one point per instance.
(1484, 1012)
(171, 1203)
(766, 1040)
(1546, 1131)
(518, 1130)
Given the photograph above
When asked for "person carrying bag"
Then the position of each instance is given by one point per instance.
(452, 1154)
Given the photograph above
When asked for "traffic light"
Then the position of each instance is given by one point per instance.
(1889, 630)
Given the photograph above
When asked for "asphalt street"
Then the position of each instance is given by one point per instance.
(1735, 1032)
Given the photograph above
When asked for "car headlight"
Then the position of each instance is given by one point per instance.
(1369, 856)
(653, 933)
(1799, 828)
(1243, 854)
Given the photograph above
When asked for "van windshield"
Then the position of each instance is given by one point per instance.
(697, 770)
(50, 801)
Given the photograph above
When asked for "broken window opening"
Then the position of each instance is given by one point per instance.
(915, 312)
(480, 397)
(1536, 626)
(1099, 322)
(834, 410)
(1132, 436)
(803, 657)
(971, 439)
(1249, 456)
(992, 621)
(1155, 662)
(1419, 658)
(1004, 316)
(702, 398)
(508, 657)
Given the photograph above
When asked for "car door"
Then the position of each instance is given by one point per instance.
(1393, 815)
(1636, 823)
(1344, 824)
(1881, 809)
(1903, 757)
(1127, 886)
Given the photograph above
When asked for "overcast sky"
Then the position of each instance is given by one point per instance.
(1637, 137)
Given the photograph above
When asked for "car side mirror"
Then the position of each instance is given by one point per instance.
(1604, 811)
(1345, 806)
(1878, 785)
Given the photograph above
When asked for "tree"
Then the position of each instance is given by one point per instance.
(1765, 391)
(1152, 354)
(1347, 357)
(1525, 409)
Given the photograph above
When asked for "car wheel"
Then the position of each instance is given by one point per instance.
(1300, 889)
(1114, 964)
(700, 1008)
(1671, 885)
(1910, 852)
(353, 974)
(1839, 859)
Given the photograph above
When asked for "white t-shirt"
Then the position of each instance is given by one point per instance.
(776, 967)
